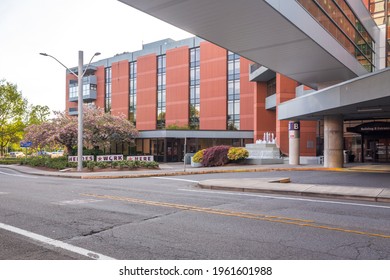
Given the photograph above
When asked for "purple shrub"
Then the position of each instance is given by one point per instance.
(215, 156)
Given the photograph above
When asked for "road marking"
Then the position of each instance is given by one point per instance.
(18, 175)
(1, 193)
(175, 179)
(288, 198)
(76, 201)
(55, 243)
(253, 216)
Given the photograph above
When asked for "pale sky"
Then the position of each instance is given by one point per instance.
(28, 27)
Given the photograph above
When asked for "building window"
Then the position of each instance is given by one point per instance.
(341, 22)
(107, 93)
(380, 12)
(73, 89)
(233, 116)
(133, 92)
(271, 87)
(161, 91)
(194, 88)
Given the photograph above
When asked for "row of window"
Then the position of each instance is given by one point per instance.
(380, 12)
(107, 97)
(161, 91)
(340, 21)
(87, 89)
(133, 92)
(194, 88)
(233, 121)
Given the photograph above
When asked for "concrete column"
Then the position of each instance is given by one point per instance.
(293, 142)
(333, 141)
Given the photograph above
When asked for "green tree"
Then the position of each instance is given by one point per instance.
(38, 114)
(12, 109)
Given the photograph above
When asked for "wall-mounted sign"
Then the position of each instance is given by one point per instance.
(371, 128)
(25, 144)
(294, 129)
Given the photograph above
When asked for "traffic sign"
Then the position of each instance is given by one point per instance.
(25, 144)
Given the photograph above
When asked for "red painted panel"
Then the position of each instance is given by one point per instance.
(120, 88)
(264, 120)
(100, 87)
(285, 90)
(247, 92)
(147, 92)
(177, 82)
(213, 87)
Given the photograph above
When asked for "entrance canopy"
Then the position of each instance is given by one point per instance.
(280, 35)
(366, 97)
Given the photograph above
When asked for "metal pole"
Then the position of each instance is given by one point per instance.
(80, 114)
(185, 151)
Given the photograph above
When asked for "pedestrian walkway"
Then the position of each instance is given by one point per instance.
(259, 185)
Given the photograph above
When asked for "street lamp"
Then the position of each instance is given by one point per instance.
(79, 76)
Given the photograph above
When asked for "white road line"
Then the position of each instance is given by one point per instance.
(3, 193)
(56, 243)
(289, 198)
(76, 201)
(175, 179)
(18, 175)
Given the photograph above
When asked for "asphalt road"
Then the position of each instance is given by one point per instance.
(169, 218)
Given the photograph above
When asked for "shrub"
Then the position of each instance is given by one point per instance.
(198, 157)
(237, 153)
(215, 156)
(149, 164)
(91, 165)
(11, 160)
(102, 164)
(46, 161)
(122, 164)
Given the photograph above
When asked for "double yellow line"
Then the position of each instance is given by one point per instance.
(253, 216)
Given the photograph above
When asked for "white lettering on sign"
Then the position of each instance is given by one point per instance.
(85, 158)
(141, 158)
(109, 158)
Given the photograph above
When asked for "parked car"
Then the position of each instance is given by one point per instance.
(56, 154)
(16, 154)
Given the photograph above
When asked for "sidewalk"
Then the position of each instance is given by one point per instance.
(258, 185)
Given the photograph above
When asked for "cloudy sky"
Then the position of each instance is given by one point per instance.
(62, 28)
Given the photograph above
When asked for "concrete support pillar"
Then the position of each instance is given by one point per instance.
(333, 141)
(293, 142)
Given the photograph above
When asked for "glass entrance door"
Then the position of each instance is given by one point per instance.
(377, 150)
(383, 150)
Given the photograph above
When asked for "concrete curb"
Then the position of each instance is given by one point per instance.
(338, 192)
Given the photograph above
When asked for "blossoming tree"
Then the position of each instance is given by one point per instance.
(100, 130)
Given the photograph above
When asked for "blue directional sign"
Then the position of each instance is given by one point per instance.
(25, 144)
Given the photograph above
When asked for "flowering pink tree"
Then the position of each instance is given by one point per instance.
(100, 130)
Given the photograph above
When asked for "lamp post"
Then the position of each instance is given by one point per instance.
(79, 76)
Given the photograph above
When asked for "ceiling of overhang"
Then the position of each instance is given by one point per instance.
(255, 30)
(374, 109)
(365, 97)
